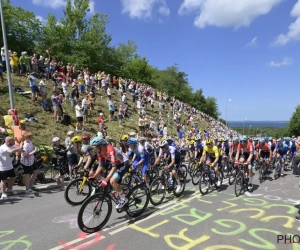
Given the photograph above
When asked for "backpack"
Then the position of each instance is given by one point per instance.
(66, 120)
(45, 106)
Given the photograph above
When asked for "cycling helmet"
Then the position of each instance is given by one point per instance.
(132, 141)
(270, 139)
(243, 139)
(220, 140)
(55, 139)
(197, 138)
(124, 137)
(85, 137)
(76, 139)
(163, 143)
(262, 141)
(97, 141)
(192, 142)
(236, 139)
(142, 139)
(209, 141)
(169, 138)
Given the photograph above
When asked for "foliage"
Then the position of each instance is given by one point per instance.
(82, 40)
(22, 28)
(294, 124)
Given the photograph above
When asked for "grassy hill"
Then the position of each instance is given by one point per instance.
(46, 128)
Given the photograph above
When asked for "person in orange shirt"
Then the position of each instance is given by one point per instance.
(19, 132)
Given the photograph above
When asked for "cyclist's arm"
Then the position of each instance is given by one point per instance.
(203, 155)
(80, 160)
(88, 161)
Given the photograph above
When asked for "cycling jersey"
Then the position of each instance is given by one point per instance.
(263, 147)
(211, 152)
(282, 149)
(112, 154)
(141, 153)
(234, 147)
(173, 153)
(245, 149)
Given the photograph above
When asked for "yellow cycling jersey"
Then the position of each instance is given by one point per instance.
(211, 152)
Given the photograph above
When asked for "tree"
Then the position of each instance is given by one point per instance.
(22, 28)
(294, 124)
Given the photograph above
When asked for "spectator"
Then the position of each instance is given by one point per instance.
(74, 95)
(79, 116)
(1, 70)
(3, 58)
(19, 132)
(28, 162)
(7, 150)
(55, 105)
(43, 90)
(100, 118)
(111, 107)
(71, 154)
(14, 61)
(85, 108)
(34, 87)
(34, 63)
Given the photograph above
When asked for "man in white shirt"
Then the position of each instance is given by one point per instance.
(7, 150)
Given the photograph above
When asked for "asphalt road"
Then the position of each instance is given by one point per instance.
(219, 220)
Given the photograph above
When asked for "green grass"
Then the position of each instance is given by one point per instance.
(46, 128)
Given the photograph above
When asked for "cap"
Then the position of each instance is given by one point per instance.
(55, 139)
(101, 114)
(132, 134)
(70, 133)
(22, 122)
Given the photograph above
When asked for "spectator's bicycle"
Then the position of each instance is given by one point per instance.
(96, 210)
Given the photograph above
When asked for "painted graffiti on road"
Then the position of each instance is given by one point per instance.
(20, 243)
(256, 208)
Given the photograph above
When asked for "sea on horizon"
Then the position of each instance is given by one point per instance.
(276, 124)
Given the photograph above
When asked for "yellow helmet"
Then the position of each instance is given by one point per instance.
(209, 141)
(220, 139)
(124, 137)
(192, 142)
(76, 139)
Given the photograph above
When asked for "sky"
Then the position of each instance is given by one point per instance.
(243, 50)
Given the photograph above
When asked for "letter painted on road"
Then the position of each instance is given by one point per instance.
(193, 215)
(238, 227)
(148, 229)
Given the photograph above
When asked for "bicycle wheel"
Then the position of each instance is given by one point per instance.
(232, 174)
(221, 179)
(239, 184)
(157, 191)
(136, 197)
(181, 175)
(276, 173)
(152, 173)
(196, 176)
(73, 195)
(93, 208)
(261, 173)
(192, 168)
(226, 170)
(204, 182)
(183, 170)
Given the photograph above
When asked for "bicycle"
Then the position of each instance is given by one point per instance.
(226, 166)
(166, 182)
(105, 197)
(263, 171)
(196, 174)
(278, 167)
(241, 179)
(208, 178)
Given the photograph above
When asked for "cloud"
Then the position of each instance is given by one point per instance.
(41, 19)
(54, 4)
(226, 13)
(142, 9)
(253, 42)
(286, 62)
(92, 6)
(293, 33)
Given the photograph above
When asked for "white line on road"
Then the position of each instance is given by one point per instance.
(76, 241)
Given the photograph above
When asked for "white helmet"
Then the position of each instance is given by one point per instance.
(197, 138)
(163, 143)
(55, 139)
(169, 138)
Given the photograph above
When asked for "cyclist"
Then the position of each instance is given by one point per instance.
(174, 160)
(114, 155)
(211, 155)
(281, 150)
(245, 153)
(123, 144)
(141, 156)
(198, 147)
(233, 148)
(171, 142)
(264, 152)
(87, 153)
(225, 148)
